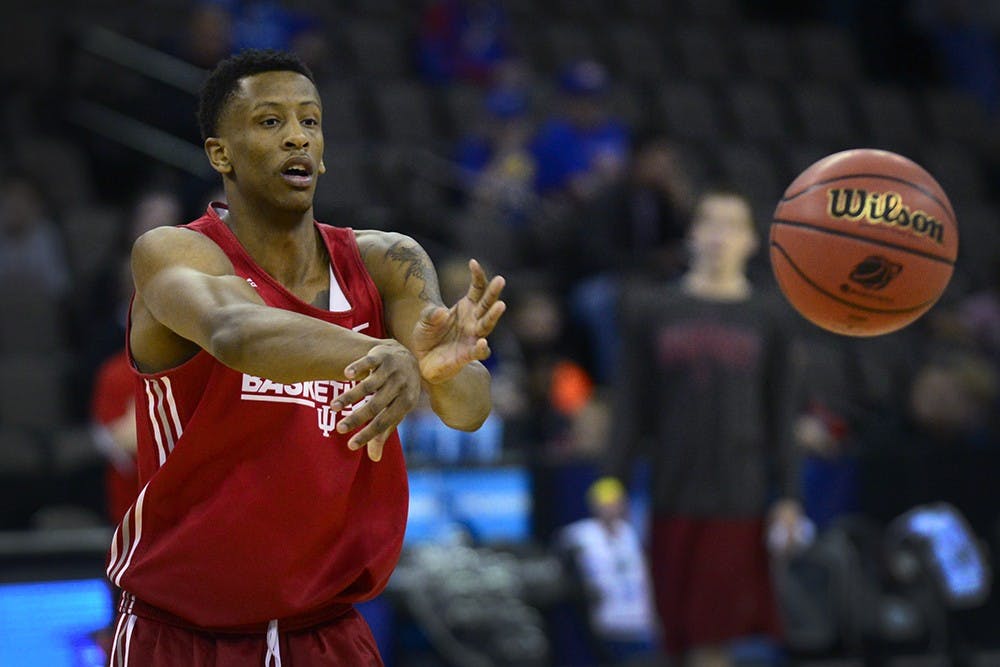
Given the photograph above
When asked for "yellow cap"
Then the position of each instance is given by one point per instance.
(605, 491)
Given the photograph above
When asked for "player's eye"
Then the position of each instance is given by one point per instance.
(310, 122)
(269, 122)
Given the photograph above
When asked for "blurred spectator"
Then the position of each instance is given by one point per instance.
(640, 223)
(606, 552)
(498, 173)
(537, 320)
(495, 162)
(109, 297)
(312, 44)
(463, 41)
(583, 148)
(31, 250)
(113, 427)
(636, 229)
(206, 38)
(217, 28)
(105, 362)
(701, 389)
(828, 415)
(944, 446)
(209, 35)
(952, 398)
(978, 314)
(264, 24)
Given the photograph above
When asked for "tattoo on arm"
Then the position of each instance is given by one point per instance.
(416, 266)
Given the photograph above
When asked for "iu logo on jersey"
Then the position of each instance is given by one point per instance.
(314, 394)
(327, 419)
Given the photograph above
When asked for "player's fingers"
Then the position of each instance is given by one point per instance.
(360, 415)
(376, 445)
(486, 323)
(383, 422)
(360, 367)
(434, 316)
(481, 350)
(477, 285)
(494, 289)
(366, 411)
(490, 297)
(369, 385)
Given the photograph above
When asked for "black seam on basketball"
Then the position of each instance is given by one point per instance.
(881, 311)
(865, 239)
(930, 195)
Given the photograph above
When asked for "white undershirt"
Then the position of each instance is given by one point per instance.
(338, 301)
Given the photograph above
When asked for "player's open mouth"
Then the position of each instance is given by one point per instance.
(298, 172)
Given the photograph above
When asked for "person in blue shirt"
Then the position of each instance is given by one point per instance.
(582, 149)
(505, 131)
(496, 175)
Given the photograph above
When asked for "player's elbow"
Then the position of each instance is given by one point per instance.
(470, 418)
(464, 423)
(228, 338)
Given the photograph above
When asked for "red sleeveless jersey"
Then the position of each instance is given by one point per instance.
(252, 506)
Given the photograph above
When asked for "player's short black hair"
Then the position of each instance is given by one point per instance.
(222, 82)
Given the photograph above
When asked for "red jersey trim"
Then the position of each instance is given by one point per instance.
(163, 417)
(129, 531)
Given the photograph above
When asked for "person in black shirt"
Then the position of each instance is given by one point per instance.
(699, 389)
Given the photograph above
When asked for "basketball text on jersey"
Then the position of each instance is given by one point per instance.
(315, 394)
(882, 208)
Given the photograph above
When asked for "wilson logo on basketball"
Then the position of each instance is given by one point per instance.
(875, 272)
(882, 208)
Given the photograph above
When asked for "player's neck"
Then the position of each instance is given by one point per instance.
(715, 286)
(285, 245)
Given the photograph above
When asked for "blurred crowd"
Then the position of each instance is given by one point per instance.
(545, 159)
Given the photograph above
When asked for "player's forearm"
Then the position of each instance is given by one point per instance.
(284, 346)
(463, 402)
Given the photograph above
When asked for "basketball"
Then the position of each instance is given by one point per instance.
(863, 242)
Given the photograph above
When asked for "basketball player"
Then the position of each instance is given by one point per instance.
(700, 384)
(268, 351)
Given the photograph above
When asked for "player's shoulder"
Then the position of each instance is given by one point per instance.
(391, 258)
(168, 238)
(378, 246)
(381, 239)
(163, 247)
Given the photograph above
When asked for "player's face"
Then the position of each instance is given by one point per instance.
(722, 232)
(274, 139)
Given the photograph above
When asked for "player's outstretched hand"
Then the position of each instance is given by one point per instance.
(390, 376)
(446, 339)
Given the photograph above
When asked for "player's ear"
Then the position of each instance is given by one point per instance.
(218, 155)
(322, 167)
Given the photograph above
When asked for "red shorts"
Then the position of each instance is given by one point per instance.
(144, 642)
(711, 580)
